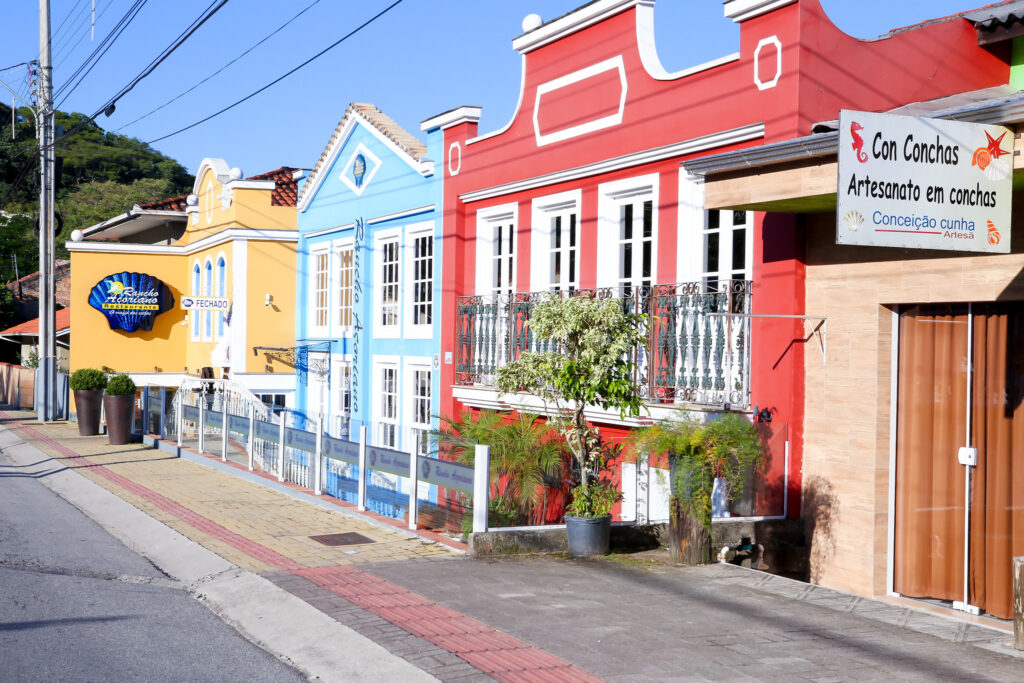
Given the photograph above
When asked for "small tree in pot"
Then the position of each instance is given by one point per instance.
(88, 385)
(594, 344)
(725, 447)
(118, 404)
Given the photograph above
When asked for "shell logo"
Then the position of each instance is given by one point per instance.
(993, 234)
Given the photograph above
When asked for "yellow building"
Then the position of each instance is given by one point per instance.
(226, 255)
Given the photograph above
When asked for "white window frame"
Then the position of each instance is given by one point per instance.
(726, 230)
(612, 197)
(207, 280)
(341, 385)
(489, 223)
(341, 247)
(380, 240)
(195, 288)
(419, 431)
(220, 281)
(690, 228)
(386, 432)
(414, 330)
(544, 209)
(316, 253)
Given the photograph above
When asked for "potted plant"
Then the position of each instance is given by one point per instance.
(593, 345)
(527, 461)
(118, 405)
(725, 447)
(88, 385)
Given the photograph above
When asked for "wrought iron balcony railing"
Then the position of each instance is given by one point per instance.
(698, 339)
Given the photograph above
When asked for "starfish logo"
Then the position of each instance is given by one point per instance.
(987, 158)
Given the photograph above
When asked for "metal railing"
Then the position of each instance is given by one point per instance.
(698, 338)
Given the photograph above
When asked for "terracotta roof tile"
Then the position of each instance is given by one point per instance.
(29, 289)
(285, 185)
(379, 120)
(171, 204)
(31, 327)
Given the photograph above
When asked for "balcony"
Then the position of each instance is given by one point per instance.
(698, 339)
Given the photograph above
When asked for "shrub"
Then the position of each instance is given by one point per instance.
(88, 379)
(121, 385)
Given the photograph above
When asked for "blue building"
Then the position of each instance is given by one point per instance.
(368, 301)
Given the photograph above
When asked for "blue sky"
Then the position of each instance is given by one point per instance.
(421, 58)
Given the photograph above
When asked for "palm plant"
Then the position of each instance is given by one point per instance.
(527, 459)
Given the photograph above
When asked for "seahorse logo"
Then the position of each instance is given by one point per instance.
(858, 142)
(993, 234)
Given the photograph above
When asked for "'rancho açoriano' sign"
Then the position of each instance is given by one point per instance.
(921, 183)
(131, 301)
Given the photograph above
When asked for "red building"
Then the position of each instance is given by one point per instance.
(584, 189)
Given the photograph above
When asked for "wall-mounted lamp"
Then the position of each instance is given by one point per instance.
(763, 414)
(267, 368)
(268, 300)
(156, 369)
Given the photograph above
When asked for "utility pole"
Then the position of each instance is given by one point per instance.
(46, 406)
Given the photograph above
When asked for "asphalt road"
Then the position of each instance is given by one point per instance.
(76, 604)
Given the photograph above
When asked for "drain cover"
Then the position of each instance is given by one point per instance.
(349, 538)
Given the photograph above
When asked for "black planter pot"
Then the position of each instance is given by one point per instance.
(588, 536)
(119, 418)
(87, 409)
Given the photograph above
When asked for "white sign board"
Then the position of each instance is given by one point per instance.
(920, 183)
(205, 303)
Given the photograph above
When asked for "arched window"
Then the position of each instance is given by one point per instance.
(222, 290)
(208, 291)
(193, 315)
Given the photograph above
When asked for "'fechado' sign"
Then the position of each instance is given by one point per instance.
(912, 182)
(205, 303)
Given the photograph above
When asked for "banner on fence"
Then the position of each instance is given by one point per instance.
(339, 449)
(213, 419)
(239, 424)
(385, 460)
(300, 440)
(190, 412)
(450, 475)
(268, 431)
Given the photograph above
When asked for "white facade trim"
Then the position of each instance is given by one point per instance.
(489, 399)
(649, 50)
(328, 231)
(339, 141)
(244, 234)
(486, 220)
(758, 81)
(741, 10)
(448, 119)
(753, 131)
(266, 382)
(616, 63)
(399, 214)
(369, 172)
(239, 306)
(515, 113)
(578, 20)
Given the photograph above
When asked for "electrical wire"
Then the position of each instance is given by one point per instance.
(285, 75)
(55, 36)
(60, 54)
(87, 66)
(182, 37)
(218, 71)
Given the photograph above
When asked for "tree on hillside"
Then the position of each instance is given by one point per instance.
(96, 202)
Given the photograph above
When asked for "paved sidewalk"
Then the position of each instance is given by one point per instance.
(534, 618)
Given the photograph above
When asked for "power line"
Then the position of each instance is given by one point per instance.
(57, 33)
(182, 37)
(218, 71)
(282, 77)
(65, 53)
(87, 66)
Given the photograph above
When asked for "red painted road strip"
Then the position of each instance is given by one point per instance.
(490, 651)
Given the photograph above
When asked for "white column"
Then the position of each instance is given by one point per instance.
(224, 430)
(318, 462)
(280, 447)
(414, 484)
(361, 481)
(202, 418)
(250, 442)
(481, 487)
